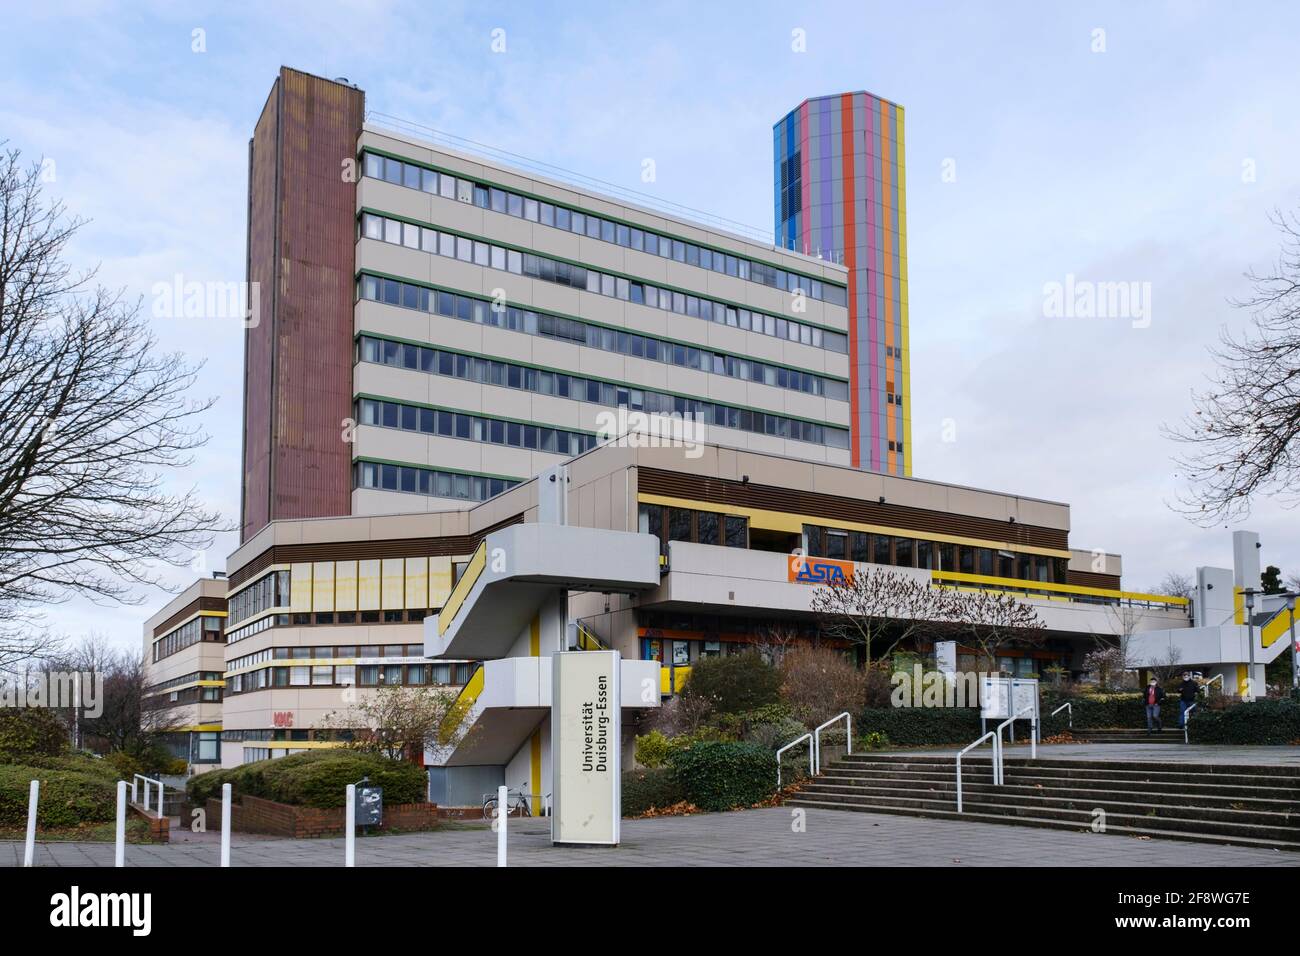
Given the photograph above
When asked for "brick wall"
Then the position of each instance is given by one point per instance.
(255, 815)
(159, 827)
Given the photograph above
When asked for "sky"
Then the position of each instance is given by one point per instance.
(1108, 142)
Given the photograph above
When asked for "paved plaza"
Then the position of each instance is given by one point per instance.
(743, 838)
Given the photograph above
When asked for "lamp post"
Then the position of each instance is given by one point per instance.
(1249, 594)
(1295, 653)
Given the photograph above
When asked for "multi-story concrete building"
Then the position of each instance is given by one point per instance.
(840, 191)
(432, 478)
(440, 328)
(185, 663)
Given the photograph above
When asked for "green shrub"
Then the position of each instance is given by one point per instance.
(68, 797)
(722, 775)
(733, 684)
(776, 734)
(318, 778)
(645, 790)
(739, 725)
(31, 731)
(920, 726)
(652, 750)
(1096, 710)
(1274, 722)
(874, 741)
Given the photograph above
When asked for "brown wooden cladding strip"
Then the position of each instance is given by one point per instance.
(198, 604)
(1091, 579)
(365, 550)
(724, 491)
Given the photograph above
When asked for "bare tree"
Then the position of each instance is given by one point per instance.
(129, 720)
(878, 609)
(93, 416)
(1168, 666)
(1176, 585)
(401, 722)
(989, 621)
(1242, 432)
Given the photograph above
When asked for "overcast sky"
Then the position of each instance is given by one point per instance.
(1117, 142)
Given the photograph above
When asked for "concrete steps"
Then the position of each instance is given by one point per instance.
(1172, 734)
(1225, 804)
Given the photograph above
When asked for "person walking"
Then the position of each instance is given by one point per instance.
(1152, 697)
(1187, 692)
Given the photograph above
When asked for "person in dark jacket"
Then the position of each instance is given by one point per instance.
(1187, 692)
(1152, 697)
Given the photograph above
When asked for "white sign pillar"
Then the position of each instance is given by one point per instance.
(119, 854)
(225, 824)
(33, 798)
(586, 747)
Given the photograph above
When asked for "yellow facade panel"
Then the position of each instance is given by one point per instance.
(368, 585)
(417, 582)
(439, 580)
(393, 584)
(300, 587)
(345, 585)
(322, 586)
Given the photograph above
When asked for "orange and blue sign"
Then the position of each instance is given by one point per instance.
(805, 570)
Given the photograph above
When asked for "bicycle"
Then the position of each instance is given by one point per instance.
(516, 804)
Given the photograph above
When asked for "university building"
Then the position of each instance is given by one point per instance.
(434, 494)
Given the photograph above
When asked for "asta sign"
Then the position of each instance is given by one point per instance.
(805, 570)
(585, 747)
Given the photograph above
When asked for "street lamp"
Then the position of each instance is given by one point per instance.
(1249, 594)
(1295, 652)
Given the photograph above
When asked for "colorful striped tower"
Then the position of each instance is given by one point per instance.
(840, 193)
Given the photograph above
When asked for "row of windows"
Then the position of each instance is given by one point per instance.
(408, 616)
(325, 653)
(429, 481)
(469, 309)
(350, 675)
(183, 679)
(556, 441)
(702, 527)
(820, 542)
(263, 594)
(190, 695)
(452, 246)
(593, 227)
(187, 635)
(506, 374)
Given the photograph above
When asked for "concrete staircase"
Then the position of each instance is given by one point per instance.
(1226, 804)
(1172, 734)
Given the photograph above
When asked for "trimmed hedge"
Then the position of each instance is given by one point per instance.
(920, 726)
(318, 778)
(723, 775)
(27, 731)
(1122, 709)
(69, 797)
(1274, 722)
(734, 684)
(645, 790)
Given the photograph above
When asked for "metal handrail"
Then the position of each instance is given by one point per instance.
(817, 736)
(997, 761)
(147, 781)
(1068, 710)
(1206, 686)
(1187, 714)
(812, 746)
(1033, 730)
